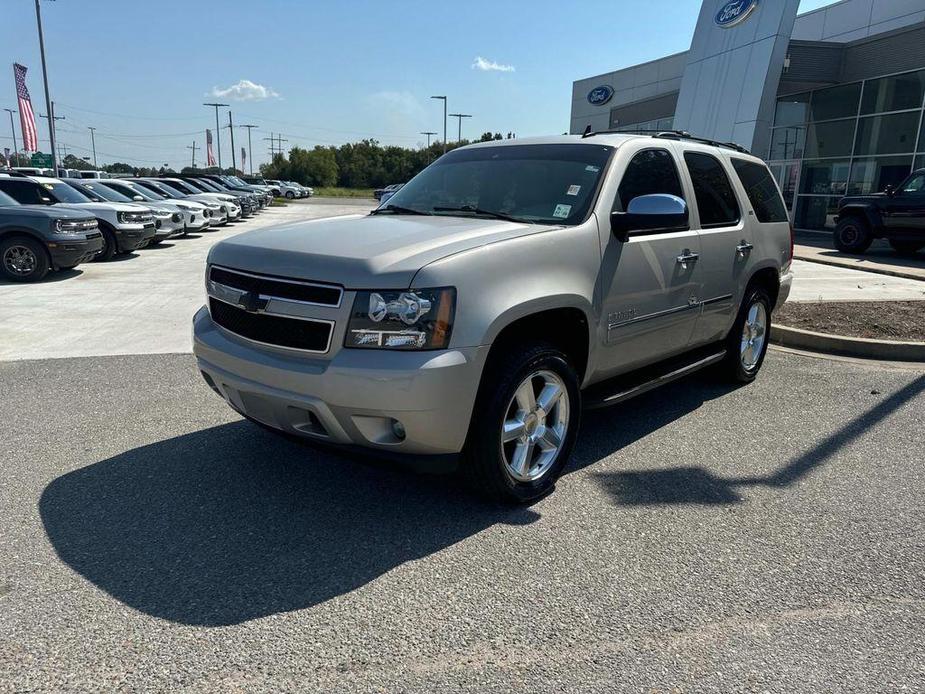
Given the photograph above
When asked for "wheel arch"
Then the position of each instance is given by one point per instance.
(767, 277)
(11, 232)
(867, 213)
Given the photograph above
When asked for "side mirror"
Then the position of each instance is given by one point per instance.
(137, 198)
(890, 190)
(46, 201)
(658, 212)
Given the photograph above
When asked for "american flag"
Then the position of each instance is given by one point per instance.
(30, 136)
(210, 155)
(243, 159)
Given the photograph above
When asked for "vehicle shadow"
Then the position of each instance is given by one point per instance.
(232, 523)
(698, 485)
(54, 276)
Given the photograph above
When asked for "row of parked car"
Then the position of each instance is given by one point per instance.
(282, 189)
(49, 224)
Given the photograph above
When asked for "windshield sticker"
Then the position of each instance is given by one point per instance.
(592, 169)
(573, 190)
(562, 211)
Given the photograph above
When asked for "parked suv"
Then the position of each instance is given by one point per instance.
(897, 214)
(500, 291)
(125, 227)
(35, 239)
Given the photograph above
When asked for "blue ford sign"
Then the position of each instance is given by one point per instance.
(735, 12)
(600, 95)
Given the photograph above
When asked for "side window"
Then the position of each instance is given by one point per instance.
(651, 171)
(915, 186)
(715, 197)
(761, 191)
(24, 192)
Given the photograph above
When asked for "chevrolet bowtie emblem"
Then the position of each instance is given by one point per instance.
(251, 301)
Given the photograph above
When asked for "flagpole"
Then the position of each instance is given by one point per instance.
(48, 107)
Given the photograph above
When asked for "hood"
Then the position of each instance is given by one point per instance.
(45, 211)
(862, 198)
(362, 252)
(162, 205)
(212, 198)
(104, 206)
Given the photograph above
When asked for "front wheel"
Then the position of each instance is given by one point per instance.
(906, 247)
(524, 425)
(747, 343)
(23, 259)
(110, 247)
(290, 195)
(852, 235)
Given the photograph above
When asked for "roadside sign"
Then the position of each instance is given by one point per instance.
(40, 160)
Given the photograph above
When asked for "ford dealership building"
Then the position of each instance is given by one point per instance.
(832, 99)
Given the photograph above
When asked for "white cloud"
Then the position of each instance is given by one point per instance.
(486, 65)
(245, 90)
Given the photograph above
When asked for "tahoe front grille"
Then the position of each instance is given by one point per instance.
(295, 333)
(294, 290)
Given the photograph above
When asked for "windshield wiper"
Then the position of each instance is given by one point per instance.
(486, 213)
(398, 209)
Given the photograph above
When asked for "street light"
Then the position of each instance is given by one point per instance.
(460, 116)
(13, 130)
(423, 132)
(49, 106)
(444, 120)
(218, 136)
(93, 144)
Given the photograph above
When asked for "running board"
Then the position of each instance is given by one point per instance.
(626, 387)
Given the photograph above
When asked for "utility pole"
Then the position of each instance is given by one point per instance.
(459, 117)
(272, 145)
(12, 130)
(218, 136)
(444, 117)
(193, 147)
(279, 142)
(51, 133)
(93, 143)
(234, 166)
(428, 133)
(49, 106)
(250, 154)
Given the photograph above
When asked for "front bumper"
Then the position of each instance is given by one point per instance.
(167, 228)
(195, 221)
(67, 251)
(130, 237)
(350, 399)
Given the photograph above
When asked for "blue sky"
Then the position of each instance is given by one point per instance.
(320, 73)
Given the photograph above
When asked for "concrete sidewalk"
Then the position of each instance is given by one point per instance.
(817, 282)
(880, 258)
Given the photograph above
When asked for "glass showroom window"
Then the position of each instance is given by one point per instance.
(792, 110)
(788, 142)
(824, 177)
(893, 134)
(816, 212)
(875, 174)
(835, 102)
(832, 139)
(898, 93)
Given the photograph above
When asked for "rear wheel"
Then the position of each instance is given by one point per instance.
(23, 259)
(110, 246)
(747, 343)
(906, 247)
(289, 194)
(524, 425)
(852, 235)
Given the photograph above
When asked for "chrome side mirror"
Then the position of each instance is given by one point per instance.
(648, 213)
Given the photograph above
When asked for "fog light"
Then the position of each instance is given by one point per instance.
(398, 429)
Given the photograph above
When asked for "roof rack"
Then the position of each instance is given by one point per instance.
(668, 135)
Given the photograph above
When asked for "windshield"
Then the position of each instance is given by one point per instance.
(103, 192)
(132, 189)
(64, 193)
(6, 200)
(549, 184)
(167, 190)
(184, 186)
(208, 185)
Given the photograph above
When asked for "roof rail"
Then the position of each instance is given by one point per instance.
(668, 135)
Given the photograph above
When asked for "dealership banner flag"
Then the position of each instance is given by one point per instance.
(30, 136)
(210, 155)
(243, 159)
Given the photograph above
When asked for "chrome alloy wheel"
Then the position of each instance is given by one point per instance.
(534, 426)
(20, 260)
(754, 334)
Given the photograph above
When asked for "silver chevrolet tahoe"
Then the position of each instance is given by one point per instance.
(502, 290)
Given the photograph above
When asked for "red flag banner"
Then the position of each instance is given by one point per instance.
(30, 136)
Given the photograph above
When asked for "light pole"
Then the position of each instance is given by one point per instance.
(48, 105)
(428, 133)
(250, 154)
(93, 143)
(459, 117)
(218, 136)
(12, 130)
(193, 147)
(234, 165)
(444, 117)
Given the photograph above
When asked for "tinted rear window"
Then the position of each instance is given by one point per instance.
(761, 191)
(716, 200)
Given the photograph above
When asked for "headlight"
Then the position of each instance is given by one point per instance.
(162, 214)
(74, 226)
(133, 217)
(411, 319)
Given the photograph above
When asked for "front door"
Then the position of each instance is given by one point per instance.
(906, 209)
(650, 282)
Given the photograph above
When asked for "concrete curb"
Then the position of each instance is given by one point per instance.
(878, 270)
(847, 346)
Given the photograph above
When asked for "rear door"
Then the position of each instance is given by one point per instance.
(649, 283)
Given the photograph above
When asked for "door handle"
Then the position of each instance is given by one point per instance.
(687, 257)
(744, 247)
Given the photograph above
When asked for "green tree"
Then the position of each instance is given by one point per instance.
(72, 162)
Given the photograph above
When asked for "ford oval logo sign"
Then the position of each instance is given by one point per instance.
(600, 95)
(735, 12)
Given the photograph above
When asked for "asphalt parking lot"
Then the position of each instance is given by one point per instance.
(705, 538)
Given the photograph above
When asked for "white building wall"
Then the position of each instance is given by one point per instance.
(850, 20)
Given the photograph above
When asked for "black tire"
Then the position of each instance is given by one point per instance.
(484, 460)
(736, 367)
(110, 247)
(23, 259)
(906, 247)
(852, 235)
(290, 195)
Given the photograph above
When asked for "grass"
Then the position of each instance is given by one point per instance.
(344, 192)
